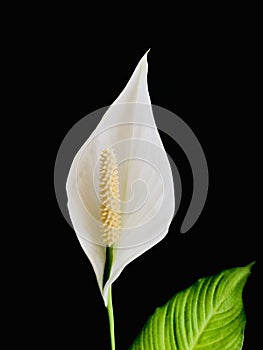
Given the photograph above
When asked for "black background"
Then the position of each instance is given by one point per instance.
(205, 74)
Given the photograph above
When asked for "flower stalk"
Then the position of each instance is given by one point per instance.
(107, 271)
(111, 319)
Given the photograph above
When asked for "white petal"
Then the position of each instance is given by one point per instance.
(136, 89)
(146, 183)
(86, 227)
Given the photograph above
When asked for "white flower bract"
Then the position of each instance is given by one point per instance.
(127, 200)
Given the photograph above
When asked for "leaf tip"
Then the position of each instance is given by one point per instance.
(249, 266)
(244, 272)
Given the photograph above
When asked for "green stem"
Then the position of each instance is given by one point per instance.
(107, 272)
(111, 319)
(108, 264)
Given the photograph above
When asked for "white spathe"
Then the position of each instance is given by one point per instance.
(146, 183)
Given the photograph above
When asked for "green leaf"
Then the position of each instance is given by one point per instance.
(207, 315)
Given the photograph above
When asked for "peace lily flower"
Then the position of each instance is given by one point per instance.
(120, 187)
